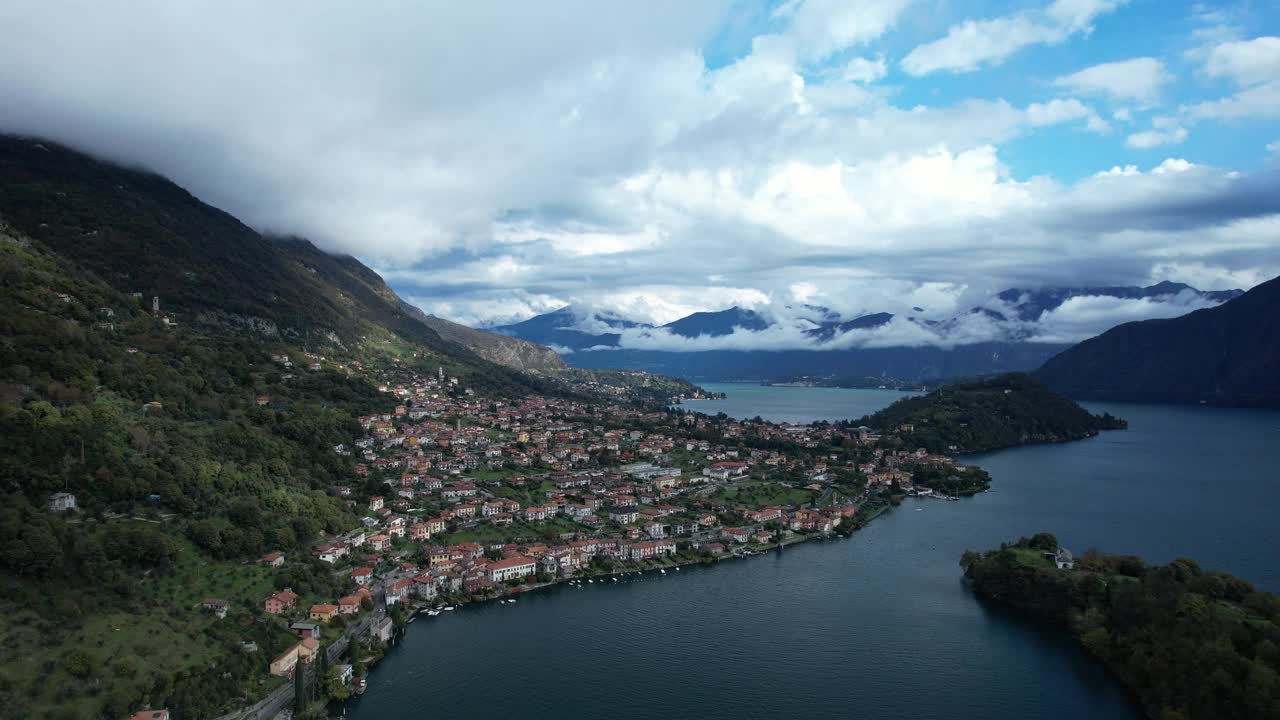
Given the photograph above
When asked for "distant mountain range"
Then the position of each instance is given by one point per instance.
(1031, 303)
(823, 343)
(1228, 355)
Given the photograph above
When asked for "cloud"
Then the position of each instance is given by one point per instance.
(821, 27)
(1083, 317)
(1074, 320)
(974, 43)
(1254, 67)
(1245, 62)
(1139, 79)
(863, 70)
(1164, 131)
(496, 161)
(1259, 101)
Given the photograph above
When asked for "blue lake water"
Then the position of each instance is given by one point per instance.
(793, 404)
(877, 626)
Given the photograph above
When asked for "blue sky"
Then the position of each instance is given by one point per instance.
(496, 160)
(1169, 31)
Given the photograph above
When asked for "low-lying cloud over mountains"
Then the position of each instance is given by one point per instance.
(1044, 316)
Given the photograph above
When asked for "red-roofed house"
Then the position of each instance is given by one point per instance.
(349, 605)
(280, 601)
(323, 612)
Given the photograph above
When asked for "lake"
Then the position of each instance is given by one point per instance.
(876, 626)
(793, 404)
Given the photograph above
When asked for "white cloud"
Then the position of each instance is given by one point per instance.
(1259, 101)
(1207, 277)
(821, 27)
(1138, 79)
(496, 161)
(1252, 65)
(482, 312)
(1083, 317)
(1245, 62)
(974, 43)
(1056, 111)
(864, 70)
(1164, 131)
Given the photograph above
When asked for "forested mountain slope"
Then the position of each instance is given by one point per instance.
(195, 437)
(1225, 355)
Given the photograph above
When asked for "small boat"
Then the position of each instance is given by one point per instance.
(590, 580)
(615, 579)
(450, 607)
(661, 570)
(433, 613)
(511, 600)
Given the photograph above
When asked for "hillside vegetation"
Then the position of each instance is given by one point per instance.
(999, 412)
(1190, 643)
(181, 476)
(1226, 355)
(195, 437)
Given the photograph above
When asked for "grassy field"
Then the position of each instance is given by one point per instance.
(66, 667)
(763, 493)
(81, 655)
(195, 578)
(485, 533)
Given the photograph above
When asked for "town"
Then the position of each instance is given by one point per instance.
(463, 498)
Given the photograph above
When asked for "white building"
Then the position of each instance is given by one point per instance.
(512, 568)
(61, 502)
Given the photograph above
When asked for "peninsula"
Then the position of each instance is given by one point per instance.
(1189, 643)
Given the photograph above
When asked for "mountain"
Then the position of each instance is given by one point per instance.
(831, 328)
(142, 233)
(717, 324)
(194, 437)
(1030, 304)
(824, 352)
(501, 349)
(1225, 355)
(562, 329)
(197, 388)
(926, 363)
(586, 338)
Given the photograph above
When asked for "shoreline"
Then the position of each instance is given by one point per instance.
(711, 561)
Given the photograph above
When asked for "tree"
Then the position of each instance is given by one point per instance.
(79, 664)
(299, 687)
(1043, 541)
